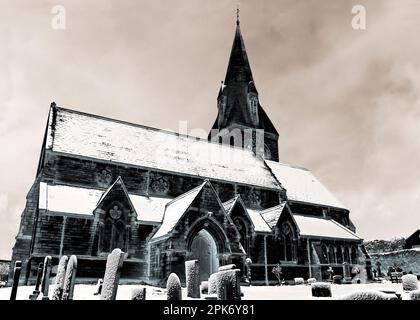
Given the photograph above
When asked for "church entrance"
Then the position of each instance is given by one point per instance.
(204, 249)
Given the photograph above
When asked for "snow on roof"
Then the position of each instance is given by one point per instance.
(323, 228)
(66, 199)
(259, 224)
(175, 210)
(257, 220)
(301, 185)
(59, 198)
(228, 205)
(149, 209)
(92, 136)
(272, 215)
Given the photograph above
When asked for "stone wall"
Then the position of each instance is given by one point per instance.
(408, 260)
(95, 174)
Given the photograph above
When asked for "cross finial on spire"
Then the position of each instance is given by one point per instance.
(237, 15)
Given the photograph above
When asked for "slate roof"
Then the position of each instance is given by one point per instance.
(254, 215)
(272, 215)
(323, 228)
(259, 223)
(91, 136)
(301, 185)
(175, 210)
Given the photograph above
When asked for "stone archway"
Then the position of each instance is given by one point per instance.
(204, 249)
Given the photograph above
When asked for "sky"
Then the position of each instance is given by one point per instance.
(345, 102)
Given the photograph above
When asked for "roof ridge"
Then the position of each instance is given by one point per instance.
(289, 165)
(186, 193)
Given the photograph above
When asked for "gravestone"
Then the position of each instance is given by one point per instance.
(59, 278)
(138, 293)
(213, 284)
(45, 282)
(192, 275)
(36, 292)
(112, 274)
(16, 276)
(69, 279)
(173, 288)
(228, 287)
(99, 287)
(321, 289)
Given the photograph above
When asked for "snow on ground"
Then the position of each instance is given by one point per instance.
(300, 292)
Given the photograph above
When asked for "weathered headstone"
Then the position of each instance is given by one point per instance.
(16, 276)
(321, 289)
(59, 278)
(69, 279)
(173, 288)
(228, 287)
(99, 287)
(45, 282)
(138, 293)
(112, 275)
(213, 283)
(192, 275)
(36, 292)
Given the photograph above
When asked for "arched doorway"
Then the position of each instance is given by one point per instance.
(204, 249)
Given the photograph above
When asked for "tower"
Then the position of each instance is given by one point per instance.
(241, 121)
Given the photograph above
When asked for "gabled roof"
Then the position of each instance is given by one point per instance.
(228, 205)
(175, 210)
(118, 184)
(257, 221)
(323, 228)
(60, 199)
(271, 215)
(90, 136)
(301, 185)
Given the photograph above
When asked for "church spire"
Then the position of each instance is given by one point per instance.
(239, 108)
(238, 69)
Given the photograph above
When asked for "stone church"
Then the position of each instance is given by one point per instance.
(165, 198)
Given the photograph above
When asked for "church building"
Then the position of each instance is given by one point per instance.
(164, 198)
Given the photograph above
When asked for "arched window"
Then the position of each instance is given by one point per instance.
(325, 253)
(353, 254)
(232, 141)
(253, 107)
(114, 230)
(287, 244)
(220, 139)
(339, 254)
(243, 232)
(346, 255)
(331, 255)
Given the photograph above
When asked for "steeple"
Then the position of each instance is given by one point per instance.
(238, 69)
(238, 104)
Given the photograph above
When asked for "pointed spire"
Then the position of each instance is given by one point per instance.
(239, 69)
